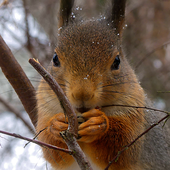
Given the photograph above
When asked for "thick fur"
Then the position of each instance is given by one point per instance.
(86, 52)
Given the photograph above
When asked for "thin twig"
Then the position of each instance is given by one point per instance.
(139, 107)
(67, 107)
(71, 132)
(36, 135)
(146, 131)
(37, 142)
(163, 91)
(130, 144)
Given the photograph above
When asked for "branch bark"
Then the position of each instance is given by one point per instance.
(18, 79)
(37, 142)
(71, 132)
(67, 107)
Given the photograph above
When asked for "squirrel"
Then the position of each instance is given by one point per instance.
(93, 72)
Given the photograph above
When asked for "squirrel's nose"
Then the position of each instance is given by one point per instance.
(82, 96)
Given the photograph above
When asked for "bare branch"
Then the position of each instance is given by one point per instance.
(18, 79)
(67, 107)
(146, 131)
(37, 142)
(139, 107)
(69, 134)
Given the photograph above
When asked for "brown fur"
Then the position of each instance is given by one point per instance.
(85, 76)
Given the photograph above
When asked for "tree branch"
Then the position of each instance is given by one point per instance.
(130, 144)
(18, 79)
(67, 107)
(71, 132)
(139, 107)
(146, 131)
(37, 142)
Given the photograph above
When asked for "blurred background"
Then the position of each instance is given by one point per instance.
(29, 28)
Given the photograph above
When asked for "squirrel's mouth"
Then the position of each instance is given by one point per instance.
(82, 109)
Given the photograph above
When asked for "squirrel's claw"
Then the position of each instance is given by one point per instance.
(57, 124)
(94, 128)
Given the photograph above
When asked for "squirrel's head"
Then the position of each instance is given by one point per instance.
(89, 64)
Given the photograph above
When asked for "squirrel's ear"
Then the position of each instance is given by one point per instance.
(65, 12)
(117, 16)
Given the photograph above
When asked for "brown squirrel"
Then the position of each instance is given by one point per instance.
(90, 67)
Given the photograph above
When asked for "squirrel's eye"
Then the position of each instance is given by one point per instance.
(116, 63)
(56, 61)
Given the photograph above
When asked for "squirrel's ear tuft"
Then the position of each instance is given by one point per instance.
(65, 12)
(117, 16)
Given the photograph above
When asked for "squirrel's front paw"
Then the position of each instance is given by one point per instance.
(57, 124)
(95, 126)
